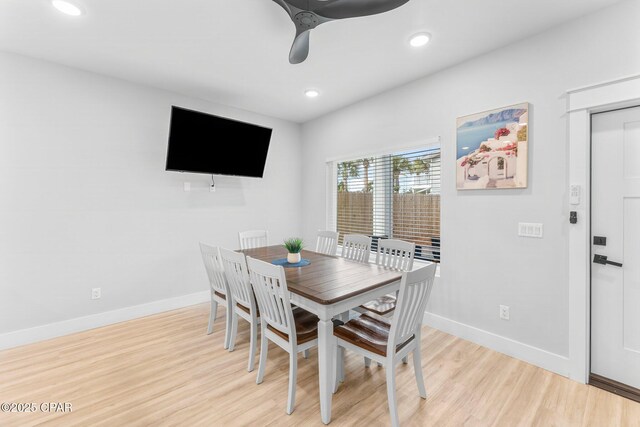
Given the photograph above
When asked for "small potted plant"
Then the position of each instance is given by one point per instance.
(294, 246)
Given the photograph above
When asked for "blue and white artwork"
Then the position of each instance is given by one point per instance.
(491, 148)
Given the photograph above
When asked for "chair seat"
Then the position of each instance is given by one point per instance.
(381, 306)
(369, 332)
(306, 326)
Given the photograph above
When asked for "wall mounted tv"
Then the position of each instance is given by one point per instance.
(204, 143)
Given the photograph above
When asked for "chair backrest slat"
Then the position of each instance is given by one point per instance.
(356, 247)
(270, 287)
(415, 289)
(253, 239)
(327, 242)
(396, 254)
(214, 268)
(237, 274)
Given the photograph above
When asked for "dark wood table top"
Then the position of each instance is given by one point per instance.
(328, 279)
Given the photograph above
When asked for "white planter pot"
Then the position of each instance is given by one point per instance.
(294, 258)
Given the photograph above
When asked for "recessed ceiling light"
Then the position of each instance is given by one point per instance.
(420, 39)
(67, 8)
(311, 93)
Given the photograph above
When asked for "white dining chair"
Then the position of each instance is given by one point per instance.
(218, 287)
(293, 330)
(253, 239)
(356, 247)
(243, 302)
(389, 341)
(327, 242)
(392, 253)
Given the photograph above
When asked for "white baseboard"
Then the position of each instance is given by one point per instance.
(79, 324)
(536, 356)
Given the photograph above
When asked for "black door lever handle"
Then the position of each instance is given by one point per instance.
(602, 259)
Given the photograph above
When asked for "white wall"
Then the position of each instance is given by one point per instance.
(484, 262)
(85, 201)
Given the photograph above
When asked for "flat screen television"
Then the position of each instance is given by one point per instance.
(204, 143)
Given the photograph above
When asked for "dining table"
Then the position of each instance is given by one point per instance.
(330, 286)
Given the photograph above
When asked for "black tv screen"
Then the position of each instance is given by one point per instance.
(201, 143)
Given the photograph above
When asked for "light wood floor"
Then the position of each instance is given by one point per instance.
(165, 370)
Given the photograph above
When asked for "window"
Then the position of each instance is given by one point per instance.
(396, 195)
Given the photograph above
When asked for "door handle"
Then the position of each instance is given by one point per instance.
(602, 259)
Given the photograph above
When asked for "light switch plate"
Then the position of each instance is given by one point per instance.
(530, 229)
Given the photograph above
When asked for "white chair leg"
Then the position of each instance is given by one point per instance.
(212, 315)
(305, 353)
(405, 360)
(234, 331)
(336, 377)
(264, 346)
(227, 329)
(293, 370)
(417, 367)
(391, 393)
(253, 344)
(379, 364)
(341, 364)
(367, 362)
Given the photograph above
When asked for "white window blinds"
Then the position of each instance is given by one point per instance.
(391, 196)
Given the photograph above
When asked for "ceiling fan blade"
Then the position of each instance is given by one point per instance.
(300, 47)
(308, 14)
(353, 8)
(285, 6)
(309, 4)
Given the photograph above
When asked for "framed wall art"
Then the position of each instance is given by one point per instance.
(491, 148)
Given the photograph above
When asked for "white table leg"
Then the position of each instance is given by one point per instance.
(326, 352)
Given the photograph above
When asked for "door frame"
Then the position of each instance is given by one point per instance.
(581, 104)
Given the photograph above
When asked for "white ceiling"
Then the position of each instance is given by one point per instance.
(235, 52)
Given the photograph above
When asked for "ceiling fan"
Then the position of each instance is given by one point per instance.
(308, 14)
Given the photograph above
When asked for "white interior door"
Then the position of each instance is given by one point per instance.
(615, 210)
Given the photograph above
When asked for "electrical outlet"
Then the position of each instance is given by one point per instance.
(504, 312)
(96, 293)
